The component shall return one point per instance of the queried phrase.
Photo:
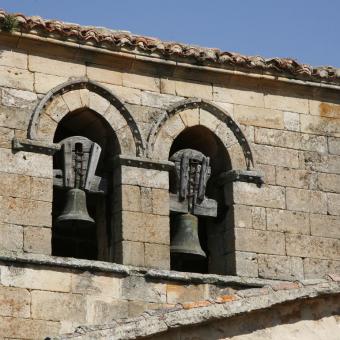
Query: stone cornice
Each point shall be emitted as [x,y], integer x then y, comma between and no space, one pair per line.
[125,42]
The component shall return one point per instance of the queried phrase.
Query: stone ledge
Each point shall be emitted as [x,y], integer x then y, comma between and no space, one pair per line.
[149,274]
[184,315]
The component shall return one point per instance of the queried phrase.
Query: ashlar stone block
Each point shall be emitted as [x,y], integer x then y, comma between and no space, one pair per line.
[280,267]
[16,78]
[14,302]
[32,278]
[71,307]
[267,196]
[306,200]
[325,225]
[261,117]
[288,221]
[313,247]
[259,241]
[37,240]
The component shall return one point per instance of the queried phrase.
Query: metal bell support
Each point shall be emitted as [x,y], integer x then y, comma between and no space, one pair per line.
[185,236]
[80,160]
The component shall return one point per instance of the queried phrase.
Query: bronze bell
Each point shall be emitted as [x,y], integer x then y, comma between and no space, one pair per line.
[185,236]
[75,210]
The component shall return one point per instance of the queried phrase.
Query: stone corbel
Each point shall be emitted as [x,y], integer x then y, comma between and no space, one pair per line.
[35,146]
[250,176]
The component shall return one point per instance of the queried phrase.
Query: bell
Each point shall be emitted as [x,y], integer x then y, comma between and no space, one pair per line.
[185,236]
[75,210]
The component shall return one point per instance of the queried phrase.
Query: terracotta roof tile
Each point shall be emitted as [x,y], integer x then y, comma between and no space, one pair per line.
[121,40]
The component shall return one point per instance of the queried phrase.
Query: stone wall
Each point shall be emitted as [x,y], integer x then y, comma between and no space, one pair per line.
[289,228]
[44,296]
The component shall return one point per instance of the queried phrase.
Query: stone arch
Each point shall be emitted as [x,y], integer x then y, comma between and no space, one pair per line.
[191,112]
[85,94]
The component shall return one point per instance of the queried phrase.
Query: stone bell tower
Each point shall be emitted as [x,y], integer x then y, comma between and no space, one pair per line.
[153,189]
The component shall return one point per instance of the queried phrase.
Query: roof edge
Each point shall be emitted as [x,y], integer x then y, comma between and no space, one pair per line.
[123,41]
[183,315]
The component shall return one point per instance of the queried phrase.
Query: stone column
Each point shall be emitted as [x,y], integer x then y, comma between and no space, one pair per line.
[141,234]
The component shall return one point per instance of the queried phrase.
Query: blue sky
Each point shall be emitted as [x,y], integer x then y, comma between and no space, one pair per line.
[306,30]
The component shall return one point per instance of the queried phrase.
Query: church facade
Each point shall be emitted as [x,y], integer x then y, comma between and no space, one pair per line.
[151,189]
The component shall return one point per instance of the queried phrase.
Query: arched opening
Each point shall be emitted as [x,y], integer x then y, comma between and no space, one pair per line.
[211,210]
[77,240]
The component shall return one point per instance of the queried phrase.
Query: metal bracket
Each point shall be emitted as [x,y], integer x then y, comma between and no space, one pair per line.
[35,146]
[250,176]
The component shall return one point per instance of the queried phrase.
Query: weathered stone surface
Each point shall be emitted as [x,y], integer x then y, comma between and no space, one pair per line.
[194,89]
[142,82]
[190,117]
[144,227]
[316,268]
[334,145]
[98,103]
[131,253]
[329,182]
[13,185]
[160,202]
[294,178]
[333,204]
[26,163]
[255,116]
[73,100]
[18,98]
[96,284]
[27,212]
[280,267]
[180,294]
[101,311]
[58,67]
[41,189]
[14,302]
[32,278]
[320,125]
[16,78]
[157,100]
[11,237]
[57,109]
[37,240]
[244,263]
[312,246]
[46,82]
[71,307]
[157,256]
[266,196]
[259,241]
[104,74]
[114,118]
[324,109]
[277,156]
[291,121]
[268,172]
[325,225]
[145,177]
[286,103]
[138,289]
[288,221]
[6,136]
[22,328]
[306,200]
[13,58]
[238,96]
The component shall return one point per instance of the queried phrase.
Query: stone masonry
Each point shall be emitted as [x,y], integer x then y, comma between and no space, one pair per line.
[277,137]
